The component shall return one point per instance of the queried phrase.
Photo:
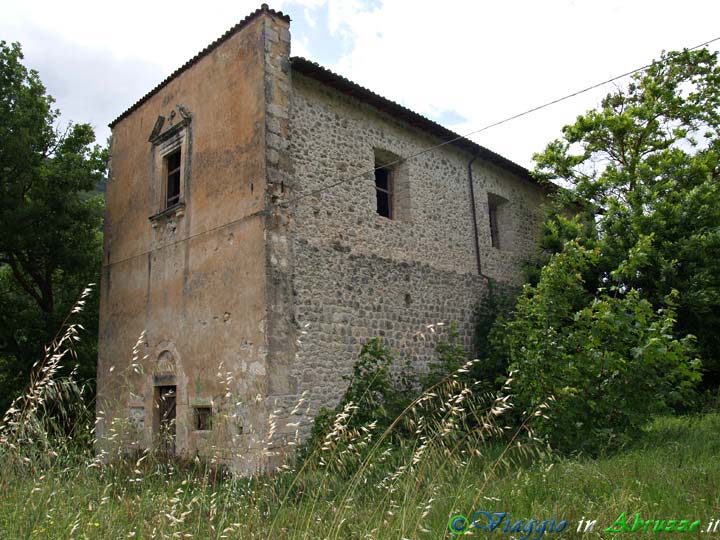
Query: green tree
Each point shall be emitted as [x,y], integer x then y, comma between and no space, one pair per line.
[50,246]
[630,292]
[645,171]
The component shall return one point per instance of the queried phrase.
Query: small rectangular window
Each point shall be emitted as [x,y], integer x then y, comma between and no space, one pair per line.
[383,191]
[203,418]
[494,232]
[173,178]
[392,186]
[501,226]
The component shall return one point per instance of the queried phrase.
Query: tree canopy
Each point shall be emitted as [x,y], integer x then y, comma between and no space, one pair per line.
[51,241]
[645,167]
[630,294]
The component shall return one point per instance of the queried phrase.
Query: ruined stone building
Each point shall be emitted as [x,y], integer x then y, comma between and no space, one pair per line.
[250,248]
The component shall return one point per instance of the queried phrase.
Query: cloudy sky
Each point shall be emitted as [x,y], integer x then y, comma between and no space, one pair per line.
[462,63]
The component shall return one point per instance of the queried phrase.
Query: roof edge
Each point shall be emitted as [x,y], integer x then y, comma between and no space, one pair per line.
[204,52]
[329,78]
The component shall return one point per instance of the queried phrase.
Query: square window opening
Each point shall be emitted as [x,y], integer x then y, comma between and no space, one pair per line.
[203,418]
[172,166]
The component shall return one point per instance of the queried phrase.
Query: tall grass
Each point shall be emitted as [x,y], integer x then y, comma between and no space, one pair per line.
[52,415]
[358,483]
[672,471]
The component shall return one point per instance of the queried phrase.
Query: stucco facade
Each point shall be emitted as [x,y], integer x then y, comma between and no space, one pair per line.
[247,295]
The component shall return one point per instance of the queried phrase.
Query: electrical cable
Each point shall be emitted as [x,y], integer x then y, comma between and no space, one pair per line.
[301,196]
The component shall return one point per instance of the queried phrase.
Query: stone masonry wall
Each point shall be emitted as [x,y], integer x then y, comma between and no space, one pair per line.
[248,304]
[350,298]
[357,274]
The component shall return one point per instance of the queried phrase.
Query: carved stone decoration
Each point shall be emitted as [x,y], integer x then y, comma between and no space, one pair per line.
[158,135]
[157,128]
[166,363]
[184,113]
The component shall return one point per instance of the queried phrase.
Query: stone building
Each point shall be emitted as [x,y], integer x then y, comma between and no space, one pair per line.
[266,217]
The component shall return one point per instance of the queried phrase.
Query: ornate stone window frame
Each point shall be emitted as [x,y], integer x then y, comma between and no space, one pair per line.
[166,141]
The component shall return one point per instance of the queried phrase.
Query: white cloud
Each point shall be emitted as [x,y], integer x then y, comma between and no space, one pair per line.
[310,18]
[479,61]
[167,33]
[299,47]
[490,60]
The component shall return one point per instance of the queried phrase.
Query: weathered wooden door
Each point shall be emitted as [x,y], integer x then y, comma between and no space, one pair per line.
[167,397]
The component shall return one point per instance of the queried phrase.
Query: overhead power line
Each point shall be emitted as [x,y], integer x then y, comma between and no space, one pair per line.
[301,196]
[489,126]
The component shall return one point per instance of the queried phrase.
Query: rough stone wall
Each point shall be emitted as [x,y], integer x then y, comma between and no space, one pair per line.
[359,275]
[519,220]
[193,279]
[350,298]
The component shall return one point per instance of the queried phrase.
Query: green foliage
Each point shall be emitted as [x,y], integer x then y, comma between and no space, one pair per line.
[671,470]
[51,244]
[450,356]
[609,360]
[376,398]
[52,488]
[632,275]
[641,172]
[52,415]
[494,308]
[371,387]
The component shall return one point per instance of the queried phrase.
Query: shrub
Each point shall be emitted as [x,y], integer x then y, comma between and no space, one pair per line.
[494,308]
[451,356]
[375,397]
[609,360]
[372,395]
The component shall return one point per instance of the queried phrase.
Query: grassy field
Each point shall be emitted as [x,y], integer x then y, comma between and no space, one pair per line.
[671,471]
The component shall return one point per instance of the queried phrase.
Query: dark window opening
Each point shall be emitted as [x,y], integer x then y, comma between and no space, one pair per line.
[173,179]
[383,191]
[494,233]
[203,418]
[165,399]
